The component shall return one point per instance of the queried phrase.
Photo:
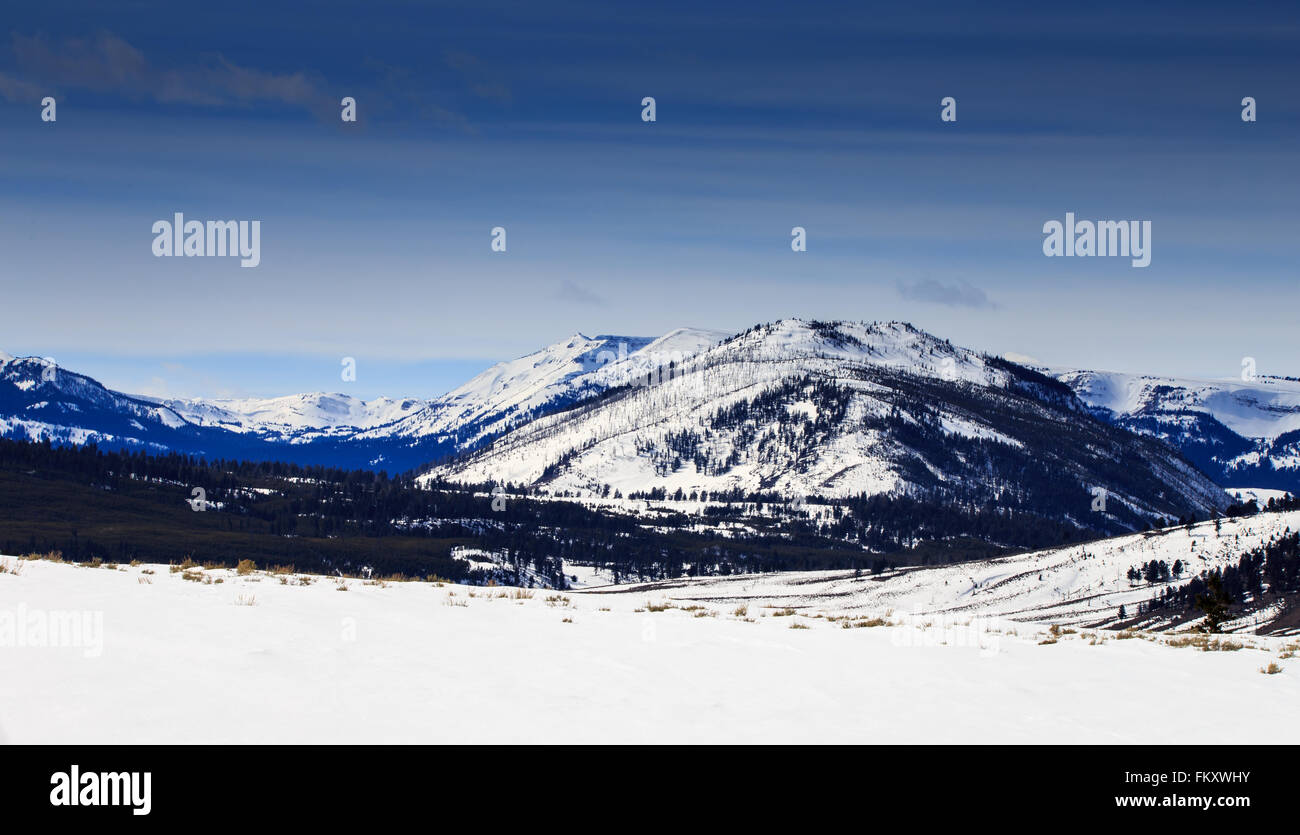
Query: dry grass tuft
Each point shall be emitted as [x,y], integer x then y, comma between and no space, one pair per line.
[1205,643]
[863,623]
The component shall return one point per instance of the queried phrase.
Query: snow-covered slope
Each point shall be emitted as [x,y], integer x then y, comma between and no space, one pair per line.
[1244,434]
[1263,408]
[157,658]
[841,409]
[1079,585]
[511,393]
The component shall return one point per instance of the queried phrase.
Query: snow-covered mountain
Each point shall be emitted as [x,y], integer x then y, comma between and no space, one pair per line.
[40,400]
[512,393]
[1244,434]
[802,408]
[296,418]
[793,408]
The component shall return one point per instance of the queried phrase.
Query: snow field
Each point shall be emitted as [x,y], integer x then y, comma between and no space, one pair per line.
[255,659]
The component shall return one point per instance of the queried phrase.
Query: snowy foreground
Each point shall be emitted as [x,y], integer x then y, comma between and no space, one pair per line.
[134,654]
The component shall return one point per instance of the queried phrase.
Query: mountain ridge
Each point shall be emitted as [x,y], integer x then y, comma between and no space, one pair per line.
[40,400]
[836,409]
[1243,434]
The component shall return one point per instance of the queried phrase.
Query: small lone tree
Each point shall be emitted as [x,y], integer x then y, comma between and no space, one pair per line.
[1214,603]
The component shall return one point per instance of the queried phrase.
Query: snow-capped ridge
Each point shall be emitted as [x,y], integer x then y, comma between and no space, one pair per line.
[837,409]
[1244,433]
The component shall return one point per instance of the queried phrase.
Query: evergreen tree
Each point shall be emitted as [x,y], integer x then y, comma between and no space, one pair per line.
[1214,603]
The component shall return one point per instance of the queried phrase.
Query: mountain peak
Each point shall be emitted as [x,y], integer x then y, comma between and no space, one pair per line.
[840,409]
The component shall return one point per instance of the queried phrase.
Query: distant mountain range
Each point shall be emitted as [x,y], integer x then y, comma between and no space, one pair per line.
[793,407]
[1241,434]
[39,400]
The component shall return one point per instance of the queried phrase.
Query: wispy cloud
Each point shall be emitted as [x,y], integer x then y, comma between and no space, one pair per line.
[959,294]
[106,63]
[571,292]
[17,90]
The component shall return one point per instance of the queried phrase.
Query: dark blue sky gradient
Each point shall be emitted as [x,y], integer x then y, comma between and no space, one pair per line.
[375,235]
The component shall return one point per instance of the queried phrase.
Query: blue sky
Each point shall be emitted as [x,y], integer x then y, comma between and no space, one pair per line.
[375,236]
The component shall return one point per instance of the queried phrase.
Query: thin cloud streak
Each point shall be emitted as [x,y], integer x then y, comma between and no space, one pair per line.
[959,294]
